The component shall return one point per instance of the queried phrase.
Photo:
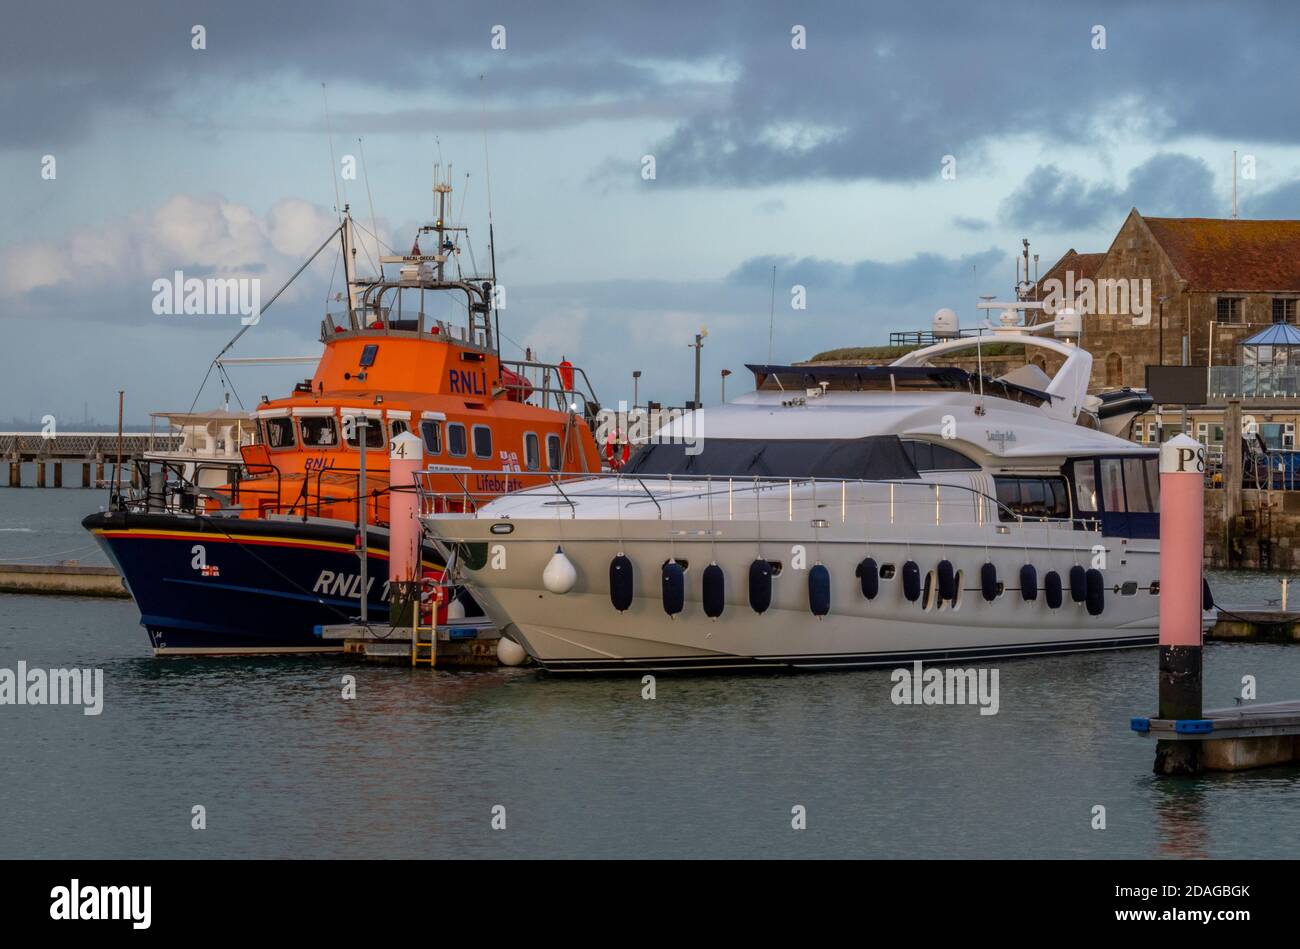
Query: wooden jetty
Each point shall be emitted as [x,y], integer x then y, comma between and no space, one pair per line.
[1247,624]
[1237,738]
[50,452]
[67,578]
[459,644]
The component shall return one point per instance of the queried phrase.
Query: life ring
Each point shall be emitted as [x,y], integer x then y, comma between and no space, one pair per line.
[617,450]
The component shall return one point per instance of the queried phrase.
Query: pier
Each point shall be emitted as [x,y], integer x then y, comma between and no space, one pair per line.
[94,451]
[1189,740]
[1234,739]
[460,644]
[69,578]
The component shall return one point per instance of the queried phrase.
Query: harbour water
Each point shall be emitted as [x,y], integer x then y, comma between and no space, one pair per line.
[414,765]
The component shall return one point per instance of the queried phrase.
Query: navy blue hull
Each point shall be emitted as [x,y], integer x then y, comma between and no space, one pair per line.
[225,586]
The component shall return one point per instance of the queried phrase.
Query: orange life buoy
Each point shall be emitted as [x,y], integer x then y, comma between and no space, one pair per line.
[617,450]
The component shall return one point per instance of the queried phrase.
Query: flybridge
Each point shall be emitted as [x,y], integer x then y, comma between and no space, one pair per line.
[890,378]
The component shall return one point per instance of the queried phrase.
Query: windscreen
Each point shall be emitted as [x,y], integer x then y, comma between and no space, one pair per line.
[874,457]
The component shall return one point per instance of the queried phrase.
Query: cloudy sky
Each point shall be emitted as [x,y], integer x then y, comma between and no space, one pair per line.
[827,162]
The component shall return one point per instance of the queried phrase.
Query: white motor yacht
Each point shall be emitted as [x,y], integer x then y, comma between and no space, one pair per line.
[842,516]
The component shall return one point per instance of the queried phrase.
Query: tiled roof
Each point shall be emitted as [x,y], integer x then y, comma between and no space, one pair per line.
[1223,255]
[1084,267]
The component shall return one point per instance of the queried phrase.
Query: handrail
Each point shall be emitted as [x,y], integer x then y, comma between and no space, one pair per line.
[430,498]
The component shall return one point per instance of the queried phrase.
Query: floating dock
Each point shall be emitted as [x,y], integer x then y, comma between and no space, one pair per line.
[1237,738]
[58,579]
[461,644]
[1243,624]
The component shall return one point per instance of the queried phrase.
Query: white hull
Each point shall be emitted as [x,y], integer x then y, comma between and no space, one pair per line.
[581,630]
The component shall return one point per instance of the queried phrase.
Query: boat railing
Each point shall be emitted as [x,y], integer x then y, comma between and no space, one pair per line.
[761,497]
[546,380]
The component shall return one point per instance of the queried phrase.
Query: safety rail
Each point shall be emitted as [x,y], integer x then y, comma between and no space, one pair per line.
[552,396]
[732,495]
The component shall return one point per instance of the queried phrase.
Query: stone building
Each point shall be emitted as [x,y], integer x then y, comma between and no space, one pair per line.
[1203,285]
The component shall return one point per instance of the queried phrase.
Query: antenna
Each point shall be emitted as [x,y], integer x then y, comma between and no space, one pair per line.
[487,174]
[329,134]
[771,317]
[1234,183]
[374,224]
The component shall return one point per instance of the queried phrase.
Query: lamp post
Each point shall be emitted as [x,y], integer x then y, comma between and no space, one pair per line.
[698,345]
[636,379]
[725,373]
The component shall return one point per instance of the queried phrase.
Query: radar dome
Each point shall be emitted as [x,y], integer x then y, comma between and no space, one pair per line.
[945,323]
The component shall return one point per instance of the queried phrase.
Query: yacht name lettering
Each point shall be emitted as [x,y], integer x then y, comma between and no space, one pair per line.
[1001,438]
[466,382]
[345,585]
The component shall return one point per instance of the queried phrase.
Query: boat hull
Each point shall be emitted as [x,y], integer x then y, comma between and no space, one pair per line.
[580,631]
[227,586]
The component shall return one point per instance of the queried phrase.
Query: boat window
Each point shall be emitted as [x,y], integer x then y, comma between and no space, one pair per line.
[1112,486]
[319,431]
[456,443]
[927,456]
[1085,486]
[279,433]
[396,426]
[874,457]
[554,461]
[1152,466]
[432,432]
[482,441]
[1032,498]
[532,451]
[352,432]
[1135,486]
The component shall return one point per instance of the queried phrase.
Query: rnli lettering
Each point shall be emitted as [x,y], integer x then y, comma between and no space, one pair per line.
[346,586]
[466,382]
[318,463]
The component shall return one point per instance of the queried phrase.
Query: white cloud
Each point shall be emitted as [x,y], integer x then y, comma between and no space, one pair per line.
[187,232]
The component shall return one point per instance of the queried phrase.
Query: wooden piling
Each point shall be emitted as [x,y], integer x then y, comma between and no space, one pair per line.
[15,474]
[58,474]
[40,474]
[85,474]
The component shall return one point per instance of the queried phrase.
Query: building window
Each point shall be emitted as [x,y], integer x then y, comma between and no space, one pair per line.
[1114,370]
[1228,309]
[1284,309]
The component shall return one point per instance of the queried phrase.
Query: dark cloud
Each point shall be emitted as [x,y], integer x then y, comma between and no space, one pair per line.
[881,92]
[1167,184]
[1281,202]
